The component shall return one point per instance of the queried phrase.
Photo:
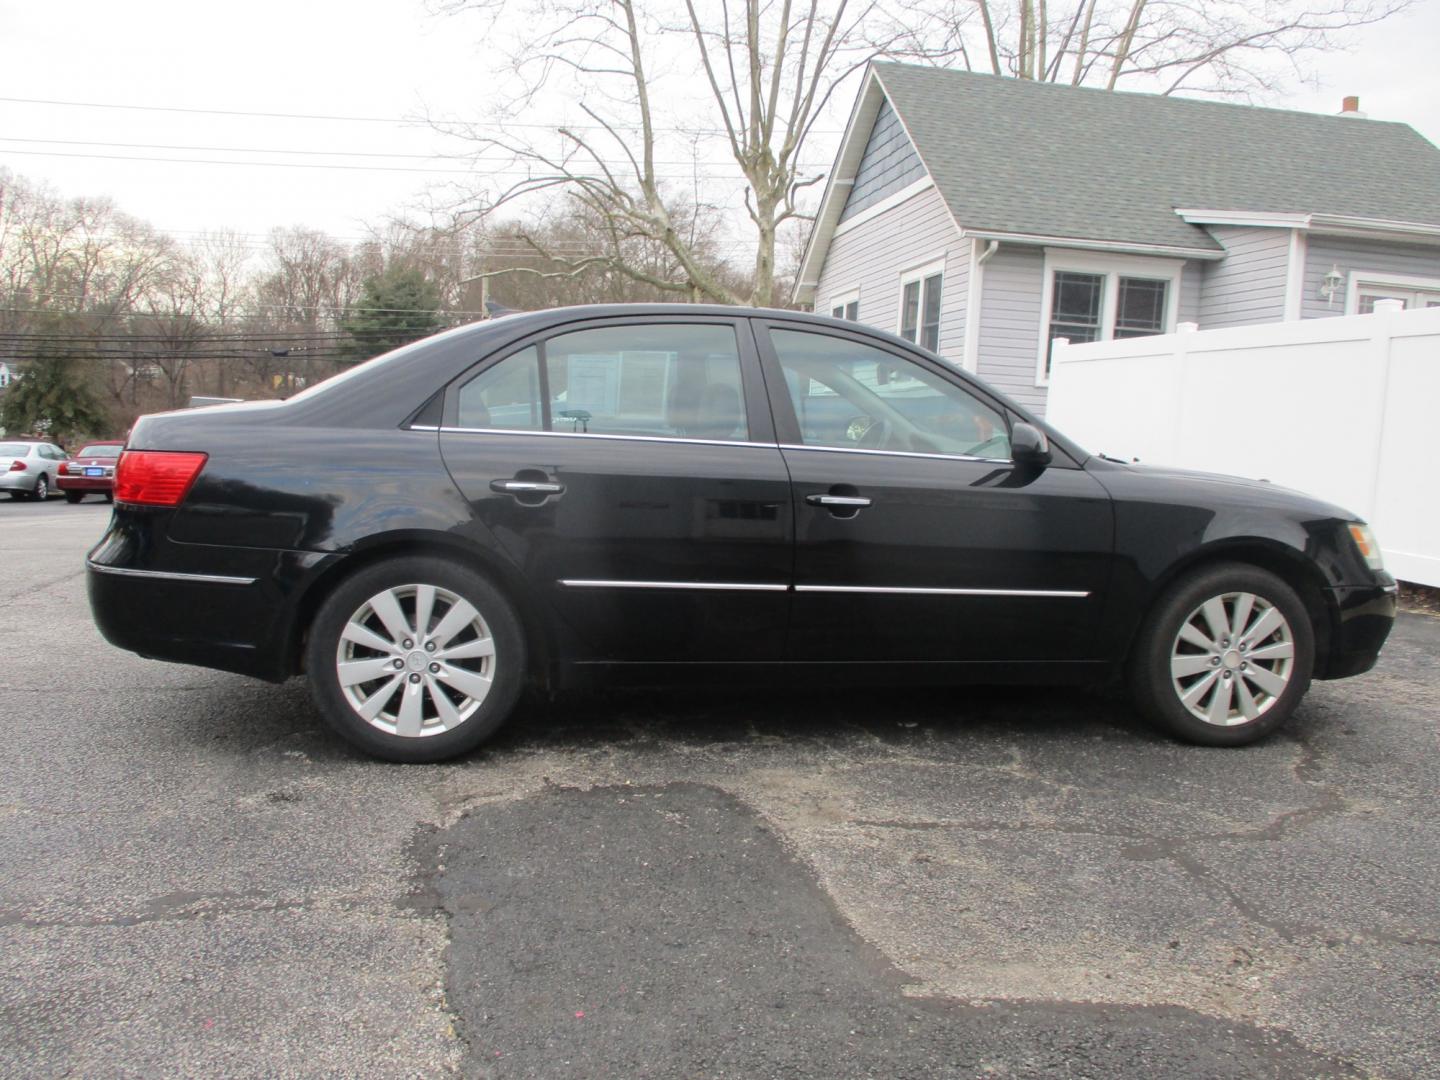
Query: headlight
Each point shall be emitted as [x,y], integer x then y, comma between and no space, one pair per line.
[1367,544]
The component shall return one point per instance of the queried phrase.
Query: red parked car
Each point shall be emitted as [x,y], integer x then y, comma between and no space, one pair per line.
[90,471]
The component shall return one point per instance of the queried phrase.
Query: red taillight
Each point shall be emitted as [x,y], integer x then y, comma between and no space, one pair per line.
[156,477]
[17,466]
[64,469]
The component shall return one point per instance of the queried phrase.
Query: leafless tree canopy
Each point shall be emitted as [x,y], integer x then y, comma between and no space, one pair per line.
[671,105]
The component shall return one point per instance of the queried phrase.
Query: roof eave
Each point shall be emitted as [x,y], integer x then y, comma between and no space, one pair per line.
[1174,251]
[1331,224]
[837,186]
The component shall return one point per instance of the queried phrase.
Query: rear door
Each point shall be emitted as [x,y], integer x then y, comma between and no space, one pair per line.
[630,469]
[917,539]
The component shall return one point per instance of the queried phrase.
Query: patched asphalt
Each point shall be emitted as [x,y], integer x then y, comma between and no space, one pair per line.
[197,879]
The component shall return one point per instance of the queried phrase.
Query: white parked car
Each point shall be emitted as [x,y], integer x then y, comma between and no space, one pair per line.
[28,468]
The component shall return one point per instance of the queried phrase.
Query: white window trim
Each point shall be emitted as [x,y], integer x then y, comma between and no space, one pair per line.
[920,273]
[840,299]
[1111,267]
[1372,279]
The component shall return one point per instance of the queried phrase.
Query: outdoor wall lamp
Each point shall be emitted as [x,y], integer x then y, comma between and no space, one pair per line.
[1330,284]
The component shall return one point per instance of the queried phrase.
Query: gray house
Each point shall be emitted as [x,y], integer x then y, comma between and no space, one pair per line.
[982,216]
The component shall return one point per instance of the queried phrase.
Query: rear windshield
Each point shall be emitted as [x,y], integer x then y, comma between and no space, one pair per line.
[15,449]
[103,450]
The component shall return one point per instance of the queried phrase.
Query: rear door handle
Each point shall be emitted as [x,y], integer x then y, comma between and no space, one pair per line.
[852,501]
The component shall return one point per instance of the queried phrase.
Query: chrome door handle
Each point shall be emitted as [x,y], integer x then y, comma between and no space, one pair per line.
[526,487]
[855,501]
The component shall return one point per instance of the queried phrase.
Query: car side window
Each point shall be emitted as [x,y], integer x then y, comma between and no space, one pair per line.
[505,395]
[854,396]
[675,381]
[670,381]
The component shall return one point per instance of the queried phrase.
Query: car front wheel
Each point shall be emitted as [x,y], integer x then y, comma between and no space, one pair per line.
[42,489]
[1225,656]
[416,659]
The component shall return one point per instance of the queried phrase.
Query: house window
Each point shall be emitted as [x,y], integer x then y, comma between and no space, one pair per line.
[920,291]
[1140,309]
[1413,292]
[846,306]
[1103,297]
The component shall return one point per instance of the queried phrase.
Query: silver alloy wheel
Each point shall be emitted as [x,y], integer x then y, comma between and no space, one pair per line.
[415,660]
[42,488]
[1232,659]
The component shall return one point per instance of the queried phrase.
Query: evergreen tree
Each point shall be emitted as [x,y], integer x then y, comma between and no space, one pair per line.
[54,397]
[396,307]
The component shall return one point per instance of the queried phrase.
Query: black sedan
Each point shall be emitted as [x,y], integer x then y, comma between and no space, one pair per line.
[667,492]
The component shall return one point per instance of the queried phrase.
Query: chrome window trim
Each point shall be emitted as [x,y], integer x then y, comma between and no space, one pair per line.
[169,575]
[896,453]
[1064,594]
[424,427]
[717,586]
[597,435]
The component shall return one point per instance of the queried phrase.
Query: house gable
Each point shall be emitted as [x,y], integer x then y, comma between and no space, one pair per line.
[890,164]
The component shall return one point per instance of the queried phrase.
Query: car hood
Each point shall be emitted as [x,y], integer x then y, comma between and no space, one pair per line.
[1207,487]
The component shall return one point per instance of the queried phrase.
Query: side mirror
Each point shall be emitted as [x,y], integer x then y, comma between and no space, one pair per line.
[1029,446]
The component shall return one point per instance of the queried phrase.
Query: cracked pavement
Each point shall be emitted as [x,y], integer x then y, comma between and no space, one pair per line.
[196,878]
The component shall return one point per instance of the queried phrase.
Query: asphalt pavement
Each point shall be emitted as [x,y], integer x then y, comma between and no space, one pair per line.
[197,879]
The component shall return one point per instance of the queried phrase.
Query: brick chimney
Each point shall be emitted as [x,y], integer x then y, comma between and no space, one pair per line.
[1350,106]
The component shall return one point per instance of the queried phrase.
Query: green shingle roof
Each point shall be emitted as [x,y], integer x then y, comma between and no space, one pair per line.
[1015,156]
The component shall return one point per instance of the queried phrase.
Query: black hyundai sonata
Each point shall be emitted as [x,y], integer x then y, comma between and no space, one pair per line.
[666,492]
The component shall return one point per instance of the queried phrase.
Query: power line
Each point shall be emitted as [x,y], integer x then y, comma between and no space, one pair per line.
[364,119]
[614,162]
[521,173]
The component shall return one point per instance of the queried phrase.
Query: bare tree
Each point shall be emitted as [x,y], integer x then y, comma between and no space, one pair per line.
[1230,48]
[766,73]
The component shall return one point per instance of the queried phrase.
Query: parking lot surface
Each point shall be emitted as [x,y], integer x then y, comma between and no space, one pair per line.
[197,878]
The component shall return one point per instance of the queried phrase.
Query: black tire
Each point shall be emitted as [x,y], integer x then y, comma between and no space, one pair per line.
[41,491]
[508,666]
[1158,693]
[73,497]
[109,496]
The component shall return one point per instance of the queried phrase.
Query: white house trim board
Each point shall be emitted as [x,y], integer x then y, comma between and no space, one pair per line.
[1374,279]
[1264,219]
[1295,276]
[890,202]
[1112,267]
[975,292]
[1117,246]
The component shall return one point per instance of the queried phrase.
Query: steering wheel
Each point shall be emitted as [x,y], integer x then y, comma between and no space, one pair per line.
[875,436]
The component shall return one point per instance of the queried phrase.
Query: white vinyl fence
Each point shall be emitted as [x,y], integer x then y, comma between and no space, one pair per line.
[1345,408]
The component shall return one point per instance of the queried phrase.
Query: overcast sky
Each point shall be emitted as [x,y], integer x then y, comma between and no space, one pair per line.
[382,59]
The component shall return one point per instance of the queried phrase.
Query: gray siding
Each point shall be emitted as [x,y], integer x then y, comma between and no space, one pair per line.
[1373,256]
[1187,309]
[872,256]
[1248,285]
[1012,282]
[888,164]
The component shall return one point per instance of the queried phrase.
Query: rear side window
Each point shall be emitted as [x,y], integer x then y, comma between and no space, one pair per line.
[678,381]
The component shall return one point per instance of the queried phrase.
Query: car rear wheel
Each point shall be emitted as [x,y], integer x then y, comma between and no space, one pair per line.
[1225,656]
[416,659]
[73,497]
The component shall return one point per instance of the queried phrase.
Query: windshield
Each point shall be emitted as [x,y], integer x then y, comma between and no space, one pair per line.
[100,450]
[15,449]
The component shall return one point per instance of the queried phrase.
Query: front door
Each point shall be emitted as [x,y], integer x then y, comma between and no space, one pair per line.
[630,471]
[917,539]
